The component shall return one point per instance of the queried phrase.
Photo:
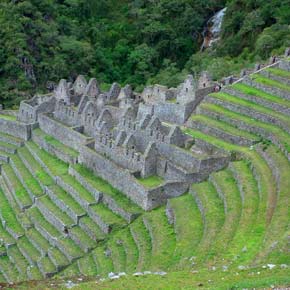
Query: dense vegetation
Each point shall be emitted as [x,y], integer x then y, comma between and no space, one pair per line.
[135,42]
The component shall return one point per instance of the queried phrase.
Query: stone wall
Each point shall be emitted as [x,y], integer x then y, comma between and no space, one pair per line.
[67,135]
[15,128]
[119,178]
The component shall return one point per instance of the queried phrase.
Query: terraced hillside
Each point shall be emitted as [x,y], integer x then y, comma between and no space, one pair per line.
[235,222]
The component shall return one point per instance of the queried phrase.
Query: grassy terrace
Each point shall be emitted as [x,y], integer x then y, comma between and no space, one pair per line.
[8,215]
[47,202]
[279,72]
[103,186]
[269,82]
[84,194]
[212,210]
[28,178]
[104,264]
[67,199]
[18,259]
[88,223]
[25,245]
[20,192]
[151,181]
[118,254]
[163,254]
[143,243]
[107,216]
[279,133]
[38,171]
[87,266]
[33,235]
[85,240]
[6,238]
[58,258]
[223,126]
[7,145]
[9,269]
[188,226]
[56,166]
[8,117]
[47,265]
[54,142]
[260,94]
[251,105]
[36,216]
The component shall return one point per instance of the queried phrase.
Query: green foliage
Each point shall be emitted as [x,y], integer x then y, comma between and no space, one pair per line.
[137,42]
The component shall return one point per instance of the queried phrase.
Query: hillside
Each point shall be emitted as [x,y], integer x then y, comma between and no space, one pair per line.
[60,220]
[137,42]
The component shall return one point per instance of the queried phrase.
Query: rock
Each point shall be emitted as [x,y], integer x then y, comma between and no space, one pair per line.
[108,253]
[225,268]
[244,249]
[160,273]
[194,272]
[147,272]
[122,274]
[283,266]
[138,274]
[69,284]
[241,267]
[271,266]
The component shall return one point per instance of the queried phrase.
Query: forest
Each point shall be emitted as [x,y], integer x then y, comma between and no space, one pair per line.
[138,42]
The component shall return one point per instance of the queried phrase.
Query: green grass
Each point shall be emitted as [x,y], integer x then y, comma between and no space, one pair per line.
[188,227]
[143,242]
[103,186]
[63,217]
[33,235]
[20,192]
[67,199]
[55,165]
[269,82]
[83,193]
[163,254]
[39,172]
[9,269]
[279,133]
[14,253]
[279,72]
[260,94]
[28,178]
[212,210]
[36,216]
[118,254]
[87,266]
[151,181]
[5,237]
[223,127]
[104,264]
[88,223]
[47,265]
[8,145]
[58,258]
[9,215]
[251,105]
[107,216]
[70,247]
[28,248]
[8,117]
[56,143]
[85,240]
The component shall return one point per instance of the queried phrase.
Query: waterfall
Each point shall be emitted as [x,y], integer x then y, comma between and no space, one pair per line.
[212,29]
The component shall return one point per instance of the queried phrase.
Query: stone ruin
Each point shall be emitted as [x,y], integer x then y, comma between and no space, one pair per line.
[125,137]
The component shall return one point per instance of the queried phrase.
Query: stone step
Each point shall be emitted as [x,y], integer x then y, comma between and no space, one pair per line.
[9,271]
[18,259]
[276,76]
[6,138]
[46,267]
[8,148]
[58,259]
[282,93]
[105,219]
[27,249]
[81,239]
[259,97]
[38,241]
[60,220]
[14,185]
[267,131]
[27,180]
[249,109]
[65,203]
[54,146]
[91,229]
[222,131]
[99,188]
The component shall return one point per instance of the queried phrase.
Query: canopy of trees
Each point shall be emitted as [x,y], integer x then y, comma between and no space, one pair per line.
[137,41]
